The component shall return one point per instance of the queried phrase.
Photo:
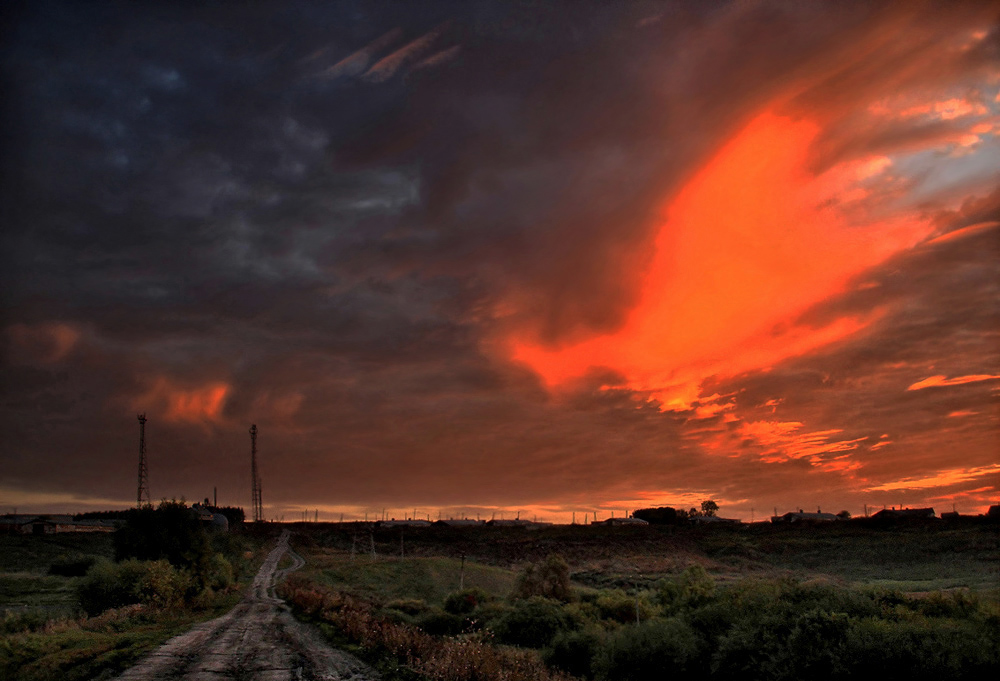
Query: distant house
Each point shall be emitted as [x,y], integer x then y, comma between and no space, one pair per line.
[403,523]
[714,520]
[213,520]
[16,524]
[803,517]
[618,522]
[517,522]
[51,524]
[459,522]
[904,514]
[994,512]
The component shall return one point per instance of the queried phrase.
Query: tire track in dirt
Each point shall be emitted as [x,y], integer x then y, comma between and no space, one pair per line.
[258,639]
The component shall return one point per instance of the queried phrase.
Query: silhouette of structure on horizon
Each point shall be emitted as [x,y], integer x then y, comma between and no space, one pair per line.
[142,494]
[255,500]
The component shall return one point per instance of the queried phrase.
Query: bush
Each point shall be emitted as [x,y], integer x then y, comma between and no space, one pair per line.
[618,606]
[921,649]
[574,651]
[220,573]
[784,643]
[548,578]
[660,648]
[170,532]
[113,585]
[465,601]
[408,606]
[692,589]
[533,623]
[440,623]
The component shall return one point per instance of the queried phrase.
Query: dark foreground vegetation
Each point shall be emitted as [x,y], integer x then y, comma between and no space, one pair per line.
[88,606]
[647,603]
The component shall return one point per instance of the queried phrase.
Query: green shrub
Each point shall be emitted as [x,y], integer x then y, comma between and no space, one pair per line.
[783,643]
[548,578]
[437,622]
[533,623]
[959,604]
[620,607]
[465,601]
[658,649]
[113,585]
[220,573]
[691,589]
[921,649]
[408,606]
[574,651]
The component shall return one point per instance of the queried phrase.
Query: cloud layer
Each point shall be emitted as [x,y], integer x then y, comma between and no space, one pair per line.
[474,256]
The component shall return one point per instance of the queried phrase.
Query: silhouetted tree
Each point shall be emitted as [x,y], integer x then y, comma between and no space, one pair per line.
[663,515]
[709,508]
[171,531]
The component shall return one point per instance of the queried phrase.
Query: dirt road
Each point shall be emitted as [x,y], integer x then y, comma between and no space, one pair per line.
[258,639]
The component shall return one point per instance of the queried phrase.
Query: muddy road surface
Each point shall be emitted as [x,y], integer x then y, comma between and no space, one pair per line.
[258,639]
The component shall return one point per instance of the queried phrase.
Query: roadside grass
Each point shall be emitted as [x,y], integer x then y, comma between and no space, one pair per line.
[99,647]
[44,636]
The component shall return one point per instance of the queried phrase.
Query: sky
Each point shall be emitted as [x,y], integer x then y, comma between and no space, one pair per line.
[479,257]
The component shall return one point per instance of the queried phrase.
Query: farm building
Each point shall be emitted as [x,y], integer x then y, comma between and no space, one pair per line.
[213,521]
[517,522]
[713,520]
[51,524]
[905,514]
[803,517]
[459,522]
[403,523]
[618,522]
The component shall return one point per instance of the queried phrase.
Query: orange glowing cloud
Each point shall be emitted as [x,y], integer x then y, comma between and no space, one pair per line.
[785,442]
[750,242]
[43,343]
[941,381]
[202,403]
[945,478]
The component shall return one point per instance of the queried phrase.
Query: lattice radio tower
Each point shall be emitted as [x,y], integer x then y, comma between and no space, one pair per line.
[255,501]
[142,494]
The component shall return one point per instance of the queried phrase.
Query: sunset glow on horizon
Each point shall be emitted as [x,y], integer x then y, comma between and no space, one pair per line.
[473,258]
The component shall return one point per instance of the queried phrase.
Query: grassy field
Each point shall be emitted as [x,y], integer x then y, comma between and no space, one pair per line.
[27,589]
[912,559]
[738,602]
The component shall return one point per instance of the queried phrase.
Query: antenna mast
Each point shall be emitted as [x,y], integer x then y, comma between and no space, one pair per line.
[255,501]
[142,494]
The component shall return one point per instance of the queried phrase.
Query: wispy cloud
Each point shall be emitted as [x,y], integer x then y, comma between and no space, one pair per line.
[386,67]
[943,381]
[941,479]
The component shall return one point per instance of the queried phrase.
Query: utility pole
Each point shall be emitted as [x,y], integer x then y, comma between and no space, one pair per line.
[255,500]
[142,494]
